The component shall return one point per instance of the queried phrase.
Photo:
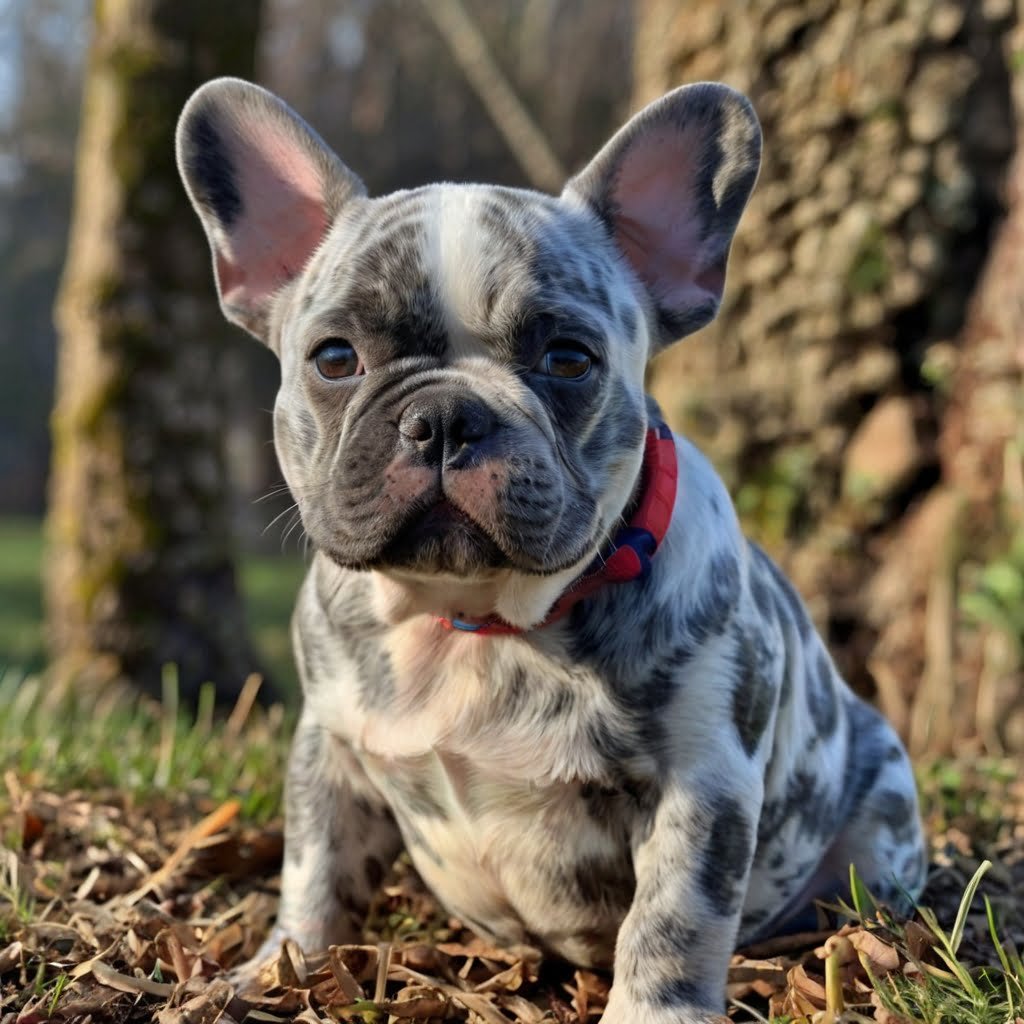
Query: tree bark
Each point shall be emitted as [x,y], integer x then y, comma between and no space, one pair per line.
[140,573]
[824,390]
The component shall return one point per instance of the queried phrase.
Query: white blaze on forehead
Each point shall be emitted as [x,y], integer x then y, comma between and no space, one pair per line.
[461,249]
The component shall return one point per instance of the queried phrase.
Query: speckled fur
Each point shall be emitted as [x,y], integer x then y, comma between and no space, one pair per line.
[675,767]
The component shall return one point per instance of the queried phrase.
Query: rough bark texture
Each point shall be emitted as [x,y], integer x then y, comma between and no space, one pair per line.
[976,668]
[824,388]
[140,572]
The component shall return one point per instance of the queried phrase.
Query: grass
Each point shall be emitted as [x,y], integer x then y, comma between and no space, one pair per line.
[269,584]
[936,983]
[21,602]
[955,963]
[116,740]
[958,961]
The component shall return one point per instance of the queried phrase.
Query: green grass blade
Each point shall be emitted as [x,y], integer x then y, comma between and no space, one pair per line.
[861,896]
[1000,952]
[957,935]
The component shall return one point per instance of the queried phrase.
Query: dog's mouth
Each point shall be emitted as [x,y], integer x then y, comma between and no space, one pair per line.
[443,538]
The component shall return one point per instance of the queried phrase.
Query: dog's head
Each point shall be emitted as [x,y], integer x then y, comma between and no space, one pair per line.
[462,365]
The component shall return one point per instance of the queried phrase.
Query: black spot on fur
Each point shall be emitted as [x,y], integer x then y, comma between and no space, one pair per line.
[628,319]
[416,840]
[821,695]
[810,801]
[662,937]
[516,691]
[663,679]
[678,992]
[376,682]
[896,811]
[210,170]
[605,882]
[864,750]
[613,747]
[753,697]
[343,890]
[784,589]
[727,858]
[711,612]
[622,428]
[630,805]
[762,594]
[559,703]
[416,797]
[788,655]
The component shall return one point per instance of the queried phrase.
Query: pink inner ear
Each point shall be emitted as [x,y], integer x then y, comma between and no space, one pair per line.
[283,219]
[658,223]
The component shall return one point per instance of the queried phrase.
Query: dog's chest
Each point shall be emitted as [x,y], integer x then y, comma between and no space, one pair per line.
[519,861]
[528,717]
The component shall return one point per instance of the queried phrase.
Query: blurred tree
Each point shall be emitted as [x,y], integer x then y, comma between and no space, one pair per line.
[140,572]
[378,80]
[40,90]
[976,662]
[840,390]
[471,52]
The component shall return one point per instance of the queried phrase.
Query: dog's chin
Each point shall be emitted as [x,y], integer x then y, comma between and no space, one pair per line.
[443,540]
[447,541]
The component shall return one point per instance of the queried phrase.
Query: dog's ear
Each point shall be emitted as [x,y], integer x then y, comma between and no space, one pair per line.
[670,186]
[266,187]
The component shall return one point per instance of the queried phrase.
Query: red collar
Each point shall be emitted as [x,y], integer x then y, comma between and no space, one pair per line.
[628,556]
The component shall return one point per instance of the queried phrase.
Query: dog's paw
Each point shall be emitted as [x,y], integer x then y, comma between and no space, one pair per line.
[260,972]
[648,1016]
[623,1011]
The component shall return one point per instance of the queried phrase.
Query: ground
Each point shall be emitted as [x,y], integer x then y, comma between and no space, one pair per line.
[140,856]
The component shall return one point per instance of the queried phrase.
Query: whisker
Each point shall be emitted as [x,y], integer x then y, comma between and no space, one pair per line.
[274,492]
[296,521]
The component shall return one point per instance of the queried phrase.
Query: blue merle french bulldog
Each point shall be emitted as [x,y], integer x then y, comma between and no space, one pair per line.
[535,648]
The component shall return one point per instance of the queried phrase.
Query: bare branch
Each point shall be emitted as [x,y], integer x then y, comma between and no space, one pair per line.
[510,117]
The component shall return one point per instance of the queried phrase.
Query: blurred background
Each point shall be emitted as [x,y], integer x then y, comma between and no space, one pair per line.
[861,392]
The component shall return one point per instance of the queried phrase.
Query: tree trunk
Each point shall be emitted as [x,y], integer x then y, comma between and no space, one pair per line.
[140,572]
[981,444]
[822,391]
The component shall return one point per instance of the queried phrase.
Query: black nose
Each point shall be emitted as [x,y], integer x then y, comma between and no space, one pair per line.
[443,426]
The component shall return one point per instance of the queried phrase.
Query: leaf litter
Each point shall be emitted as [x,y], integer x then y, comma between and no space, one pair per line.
[113,910]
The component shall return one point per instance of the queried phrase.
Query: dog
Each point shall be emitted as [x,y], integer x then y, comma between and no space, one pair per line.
[535,648]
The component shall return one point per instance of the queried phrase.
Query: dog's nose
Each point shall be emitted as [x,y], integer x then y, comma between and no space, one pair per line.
[445,425]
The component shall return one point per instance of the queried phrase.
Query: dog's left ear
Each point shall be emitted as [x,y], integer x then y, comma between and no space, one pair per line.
[670,186]
[266,187]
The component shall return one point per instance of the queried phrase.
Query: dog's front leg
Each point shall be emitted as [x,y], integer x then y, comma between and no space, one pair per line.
[691,869]
[340,838]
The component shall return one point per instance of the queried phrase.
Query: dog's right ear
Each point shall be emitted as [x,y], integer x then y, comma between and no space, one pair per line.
[266,187]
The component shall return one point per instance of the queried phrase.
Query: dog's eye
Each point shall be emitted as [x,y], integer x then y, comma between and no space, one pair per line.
[566,360]
[336,358]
